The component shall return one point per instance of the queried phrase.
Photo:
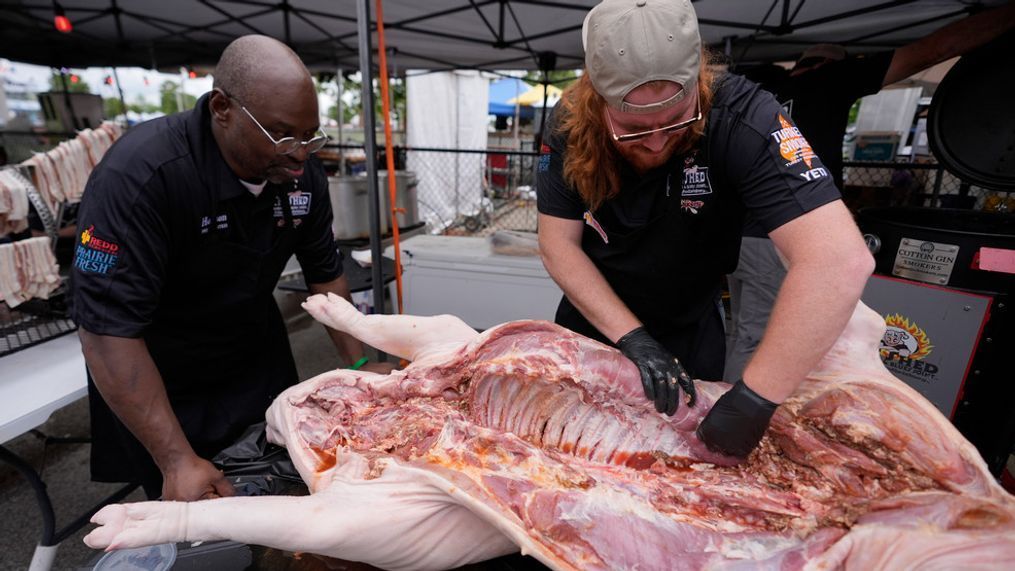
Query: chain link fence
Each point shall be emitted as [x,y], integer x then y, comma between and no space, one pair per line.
[473,193]
[462,192]
[917,184]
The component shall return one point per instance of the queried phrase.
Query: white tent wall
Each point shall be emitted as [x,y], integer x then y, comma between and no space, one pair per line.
[447,110]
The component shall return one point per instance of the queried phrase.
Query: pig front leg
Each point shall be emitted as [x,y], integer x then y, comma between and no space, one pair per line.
[407,336]
[391,522]
[280,522]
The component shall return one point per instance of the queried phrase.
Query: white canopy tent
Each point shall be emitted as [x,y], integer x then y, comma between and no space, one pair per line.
[447,110]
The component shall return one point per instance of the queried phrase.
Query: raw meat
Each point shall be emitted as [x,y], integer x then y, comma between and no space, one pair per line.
[531,437]
[28,269]
[13,202]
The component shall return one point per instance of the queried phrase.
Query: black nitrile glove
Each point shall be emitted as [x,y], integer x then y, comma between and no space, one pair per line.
[662,375]
[737,422]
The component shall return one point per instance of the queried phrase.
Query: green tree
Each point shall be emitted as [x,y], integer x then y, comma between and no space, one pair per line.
[353,88]
[141,105]
[56,84]
[112,107]
[168,92]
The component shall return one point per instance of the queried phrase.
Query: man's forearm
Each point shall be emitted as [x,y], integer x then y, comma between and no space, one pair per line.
[953,40]
[588,290]
[349,348]
[812,309]
[131,385]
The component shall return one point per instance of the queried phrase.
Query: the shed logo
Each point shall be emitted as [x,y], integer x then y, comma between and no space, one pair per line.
[696,182]
[299,204]
[905,347]
[904,338]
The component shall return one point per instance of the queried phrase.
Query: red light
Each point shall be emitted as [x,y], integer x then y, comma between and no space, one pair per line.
[60,20]
[109,80]
[62,24]
[74,78]
[192,75]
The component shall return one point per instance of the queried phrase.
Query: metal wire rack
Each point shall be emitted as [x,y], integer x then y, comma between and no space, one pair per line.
[33,322]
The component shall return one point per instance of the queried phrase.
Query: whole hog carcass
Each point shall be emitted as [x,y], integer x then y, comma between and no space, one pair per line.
[531,437]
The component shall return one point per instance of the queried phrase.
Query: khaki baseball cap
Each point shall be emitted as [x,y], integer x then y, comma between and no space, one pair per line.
[631,42]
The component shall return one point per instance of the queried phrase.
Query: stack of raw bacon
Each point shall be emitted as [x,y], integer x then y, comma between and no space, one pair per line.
[28,270]
[61,173]
[13,202]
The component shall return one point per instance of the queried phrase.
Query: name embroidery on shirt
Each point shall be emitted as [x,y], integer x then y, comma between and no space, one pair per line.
[95,255]
[221,222]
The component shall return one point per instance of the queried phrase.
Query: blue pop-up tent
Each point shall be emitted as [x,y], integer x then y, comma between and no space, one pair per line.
[502,91]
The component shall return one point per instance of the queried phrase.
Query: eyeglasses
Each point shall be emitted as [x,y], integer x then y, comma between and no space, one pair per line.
[286,145]
[668,130]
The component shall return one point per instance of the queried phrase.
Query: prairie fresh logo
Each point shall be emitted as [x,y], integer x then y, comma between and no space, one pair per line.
[905,348]
[544,157]
[94,254]
[793,147]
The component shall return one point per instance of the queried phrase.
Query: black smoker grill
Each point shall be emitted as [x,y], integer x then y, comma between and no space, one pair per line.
[971,126]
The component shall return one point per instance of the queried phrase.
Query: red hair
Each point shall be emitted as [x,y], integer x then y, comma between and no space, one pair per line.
[590,163]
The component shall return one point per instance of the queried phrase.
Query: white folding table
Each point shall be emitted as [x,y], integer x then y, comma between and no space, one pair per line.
[34,383]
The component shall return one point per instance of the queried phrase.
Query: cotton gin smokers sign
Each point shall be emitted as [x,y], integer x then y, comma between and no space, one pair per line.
[929,262]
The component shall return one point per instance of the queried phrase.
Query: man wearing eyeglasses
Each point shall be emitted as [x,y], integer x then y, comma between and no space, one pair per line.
[650,162]
[187,224]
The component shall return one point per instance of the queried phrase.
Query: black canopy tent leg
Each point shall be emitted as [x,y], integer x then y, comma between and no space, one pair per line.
[45,551]
[547,63]
[370,144]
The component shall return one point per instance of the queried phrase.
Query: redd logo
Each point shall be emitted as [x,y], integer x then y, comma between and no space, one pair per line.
[691,205]
[88,238]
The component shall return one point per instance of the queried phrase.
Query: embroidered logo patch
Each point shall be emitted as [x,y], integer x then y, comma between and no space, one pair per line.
[544,158]
[299,205]
[94,254]
[692,206]
[793,147]
[696,182]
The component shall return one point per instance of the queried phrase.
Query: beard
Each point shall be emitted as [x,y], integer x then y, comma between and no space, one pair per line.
[642,159]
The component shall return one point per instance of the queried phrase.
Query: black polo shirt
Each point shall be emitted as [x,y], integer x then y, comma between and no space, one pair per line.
[158,195]
[175,250]
[751,158]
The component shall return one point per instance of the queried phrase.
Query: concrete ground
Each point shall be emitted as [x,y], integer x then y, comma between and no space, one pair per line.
[65,471]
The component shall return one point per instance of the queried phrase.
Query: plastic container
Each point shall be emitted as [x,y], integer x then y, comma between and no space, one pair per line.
[152,558]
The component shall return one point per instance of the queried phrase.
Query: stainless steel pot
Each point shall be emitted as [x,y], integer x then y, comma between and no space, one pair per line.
[352,209]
